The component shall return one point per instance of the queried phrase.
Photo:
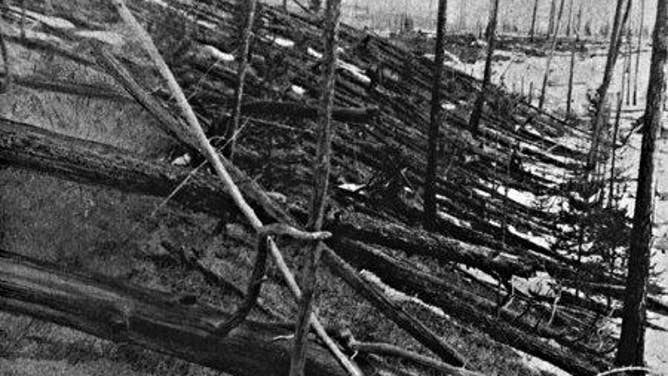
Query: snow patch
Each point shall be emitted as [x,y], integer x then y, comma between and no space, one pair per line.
[283,42]
[182,161]
[355,71]
[351,187]
[449,106]
[298,90]
[544,241]
[206,25]
[159,2]
[314,53]
[218,54]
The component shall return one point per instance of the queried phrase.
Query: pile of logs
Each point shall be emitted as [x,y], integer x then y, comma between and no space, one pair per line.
[382,94]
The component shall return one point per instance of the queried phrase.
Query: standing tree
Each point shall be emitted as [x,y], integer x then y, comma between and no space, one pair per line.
[532,30]
[632,339]
[546,75]
[628,62]
[462,16]
[570,18]
[247,8]
[613,52]
[429,220]
[569,95]
[635,78]
[474,122]
[550,21]
[321,169]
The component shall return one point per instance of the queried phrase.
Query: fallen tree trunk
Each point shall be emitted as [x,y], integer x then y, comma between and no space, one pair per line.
[89,162]
[34,148]
[440,294]
[414,241]
[112,310]
[303,111]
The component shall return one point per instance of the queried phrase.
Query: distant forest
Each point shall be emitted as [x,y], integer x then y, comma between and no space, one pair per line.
[471,15]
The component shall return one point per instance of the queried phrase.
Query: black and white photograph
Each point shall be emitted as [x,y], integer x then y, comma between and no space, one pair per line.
[333,188]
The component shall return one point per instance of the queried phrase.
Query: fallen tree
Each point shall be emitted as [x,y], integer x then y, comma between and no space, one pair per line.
[503,326]
[110,309]
[34,148]
[88,162]
[302,111]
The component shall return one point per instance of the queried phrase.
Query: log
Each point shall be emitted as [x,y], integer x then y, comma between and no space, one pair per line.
[434,291]
[421,242]
[110,309]
[30,147]
[303,111]
[88,162]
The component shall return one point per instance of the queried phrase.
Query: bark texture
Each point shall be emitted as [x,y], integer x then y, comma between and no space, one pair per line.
[490,33]
[321,170]
[632,340]
[110,309]
[430,206]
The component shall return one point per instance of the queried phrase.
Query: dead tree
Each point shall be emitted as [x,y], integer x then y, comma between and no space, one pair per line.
[321,169]
[532,29]
[474,122]
[550,23]
[462,16]
[569,25]
[613,52]
[116,311]
[571,71]
[546,75]
[632,340]
[435,118]
[249,8]
[627,65]
[637,71]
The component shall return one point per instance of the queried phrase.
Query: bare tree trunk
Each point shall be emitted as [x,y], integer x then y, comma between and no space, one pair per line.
[321,169]
[632,340]
[615,42]
[532,30]
[627,68]
[231,133]
[571,71]
[613,157]
[550,24]
[435,118]
[462,15]
[474,122]
[635,79]
[546,75]
[120,312]
[569,25]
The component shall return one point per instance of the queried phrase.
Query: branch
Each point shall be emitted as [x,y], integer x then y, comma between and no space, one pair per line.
[321,171]
[230,132]
[387,349]
[111,309]
[212,156]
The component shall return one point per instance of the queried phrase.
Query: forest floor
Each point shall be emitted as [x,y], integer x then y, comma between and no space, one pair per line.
[120,235]
[116,234]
